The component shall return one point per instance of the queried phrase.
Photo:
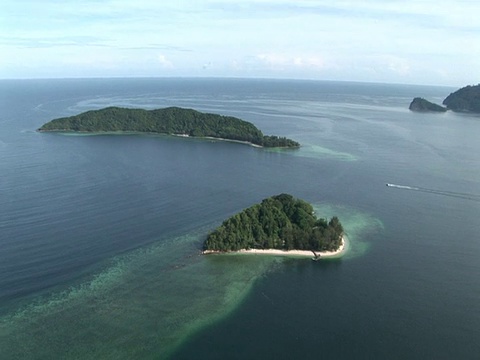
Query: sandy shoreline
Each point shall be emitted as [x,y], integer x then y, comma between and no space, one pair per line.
[230,140]
[121,132]
[294,253]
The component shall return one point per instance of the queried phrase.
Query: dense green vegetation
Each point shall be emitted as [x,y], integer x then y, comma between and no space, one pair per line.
[278,222]
[422,105]
[172,120]
[465,99]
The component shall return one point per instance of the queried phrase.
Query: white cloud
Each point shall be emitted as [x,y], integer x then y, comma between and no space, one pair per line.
[344,39]
[282,61]
[164,62]
[274,60]
[396,64]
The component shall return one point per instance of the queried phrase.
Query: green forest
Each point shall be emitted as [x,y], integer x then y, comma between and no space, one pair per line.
[172,120]
[278,222]
[465,99]
[422,105]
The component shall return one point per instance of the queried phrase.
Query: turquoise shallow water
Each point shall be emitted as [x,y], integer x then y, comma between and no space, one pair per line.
[145,303]
[358,226]
[100,235]
[140,306]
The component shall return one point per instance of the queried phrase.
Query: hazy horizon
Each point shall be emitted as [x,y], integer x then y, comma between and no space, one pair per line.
[414,42]
[229,78]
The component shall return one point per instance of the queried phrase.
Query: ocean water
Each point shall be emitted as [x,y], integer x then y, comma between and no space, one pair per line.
[100,236]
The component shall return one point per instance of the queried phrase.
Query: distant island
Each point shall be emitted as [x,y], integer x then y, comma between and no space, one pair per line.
[466,99]
[171,120]
[280,224]
[422,105]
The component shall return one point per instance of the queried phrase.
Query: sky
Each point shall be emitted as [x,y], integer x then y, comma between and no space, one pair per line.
[431,42]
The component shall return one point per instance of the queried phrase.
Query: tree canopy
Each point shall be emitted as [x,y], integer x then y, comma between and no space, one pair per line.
[172,120]
[465,99]
[422,105]
[278,222]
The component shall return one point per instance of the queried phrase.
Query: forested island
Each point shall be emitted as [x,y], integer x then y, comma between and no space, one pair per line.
[278,222]
[171,120]
[422,105]
[466,99]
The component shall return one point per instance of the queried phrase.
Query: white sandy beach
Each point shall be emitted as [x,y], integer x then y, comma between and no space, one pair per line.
[219,139]
[294,253]
[231,140]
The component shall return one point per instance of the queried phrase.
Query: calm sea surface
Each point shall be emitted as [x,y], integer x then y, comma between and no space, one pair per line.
[100,235]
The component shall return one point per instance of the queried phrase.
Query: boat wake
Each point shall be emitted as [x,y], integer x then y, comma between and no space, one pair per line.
[403,187]
[460,195]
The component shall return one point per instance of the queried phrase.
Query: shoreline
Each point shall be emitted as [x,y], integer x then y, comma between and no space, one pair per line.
[229,140]
[292,253]
[124,132]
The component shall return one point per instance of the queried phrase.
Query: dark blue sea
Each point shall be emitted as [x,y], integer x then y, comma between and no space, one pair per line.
[100,235]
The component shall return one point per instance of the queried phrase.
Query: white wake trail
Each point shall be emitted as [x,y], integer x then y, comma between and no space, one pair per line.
[460,195]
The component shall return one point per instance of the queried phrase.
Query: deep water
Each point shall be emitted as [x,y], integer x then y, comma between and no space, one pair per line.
[100,236]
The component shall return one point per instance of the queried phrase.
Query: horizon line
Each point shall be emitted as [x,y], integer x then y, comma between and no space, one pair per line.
[223,77]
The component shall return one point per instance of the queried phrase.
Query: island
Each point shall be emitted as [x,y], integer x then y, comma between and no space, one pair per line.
[171,120]
[466,99]
[281,225]
[422,105]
